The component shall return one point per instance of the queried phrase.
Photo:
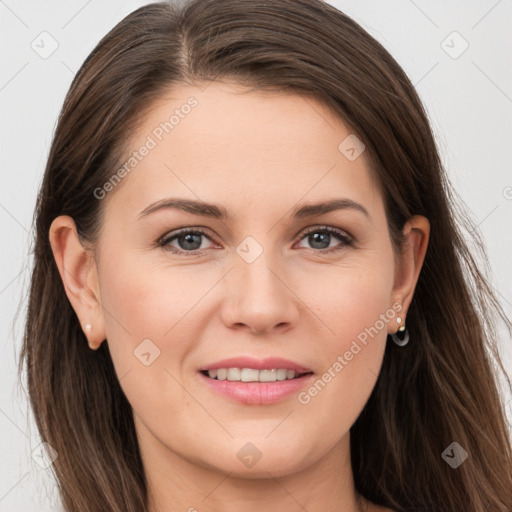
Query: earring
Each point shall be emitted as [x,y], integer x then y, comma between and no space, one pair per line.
[88,328]
[401,341]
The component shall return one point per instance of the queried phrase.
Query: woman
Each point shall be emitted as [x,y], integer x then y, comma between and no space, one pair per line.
[250,290]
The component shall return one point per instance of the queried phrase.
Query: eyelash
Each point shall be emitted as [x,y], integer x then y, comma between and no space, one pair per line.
[347,240]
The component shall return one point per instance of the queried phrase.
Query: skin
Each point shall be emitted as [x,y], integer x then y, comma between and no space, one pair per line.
[259,156]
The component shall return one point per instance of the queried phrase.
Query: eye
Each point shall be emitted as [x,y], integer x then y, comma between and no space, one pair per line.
[320,238]
[189,241]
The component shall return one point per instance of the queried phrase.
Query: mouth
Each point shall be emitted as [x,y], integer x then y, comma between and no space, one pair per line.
[254,375]
[251,381]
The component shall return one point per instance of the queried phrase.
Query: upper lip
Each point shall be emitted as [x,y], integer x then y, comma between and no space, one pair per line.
[258,364]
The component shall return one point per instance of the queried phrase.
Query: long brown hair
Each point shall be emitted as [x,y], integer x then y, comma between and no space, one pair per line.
[439,389]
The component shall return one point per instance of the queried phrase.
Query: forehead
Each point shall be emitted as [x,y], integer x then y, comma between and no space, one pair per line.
[223,144]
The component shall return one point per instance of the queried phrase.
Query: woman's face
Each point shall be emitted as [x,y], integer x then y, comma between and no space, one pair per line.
[266,283]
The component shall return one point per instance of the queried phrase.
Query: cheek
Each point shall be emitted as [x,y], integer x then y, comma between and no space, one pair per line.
[145,301]
[147,311]
[351,299]
[360,308]
[355,314]
[145,307]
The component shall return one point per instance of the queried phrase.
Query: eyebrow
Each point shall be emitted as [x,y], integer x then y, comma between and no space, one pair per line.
[219,212]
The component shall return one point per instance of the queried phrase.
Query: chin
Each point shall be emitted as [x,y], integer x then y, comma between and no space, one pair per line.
[252,462]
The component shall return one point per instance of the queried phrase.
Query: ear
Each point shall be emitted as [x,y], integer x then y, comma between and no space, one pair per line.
[79,275]
[408,263]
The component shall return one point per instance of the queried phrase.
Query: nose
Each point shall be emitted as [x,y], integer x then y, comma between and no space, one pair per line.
[259,299]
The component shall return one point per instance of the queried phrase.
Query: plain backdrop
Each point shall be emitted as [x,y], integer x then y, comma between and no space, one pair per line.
[457,54]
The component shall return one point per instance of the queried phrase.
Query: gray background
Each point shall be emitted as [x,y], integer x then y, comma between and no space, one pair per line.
[468,99]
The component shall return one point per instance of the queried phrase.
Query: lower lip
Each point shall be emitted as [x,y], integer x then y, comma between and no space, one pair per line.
[258,393]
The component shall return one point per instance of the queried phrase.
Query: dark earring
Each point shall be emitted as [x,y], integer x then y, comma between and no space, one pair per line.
[401,337]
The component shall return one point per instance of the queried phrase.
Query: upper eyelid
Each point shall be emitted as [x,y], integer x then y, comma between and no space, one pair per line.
[320,227]
[185,230]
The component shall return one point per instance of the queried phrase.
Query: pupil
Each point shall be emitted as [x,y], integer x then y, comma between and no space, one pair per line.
[189,240]
[316,236]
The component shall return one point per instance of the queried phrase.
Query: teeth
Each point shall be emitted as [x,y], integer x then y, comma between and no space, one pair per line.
[249,375]
[281,374]
[268,375]
[233,374]
[252,375]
